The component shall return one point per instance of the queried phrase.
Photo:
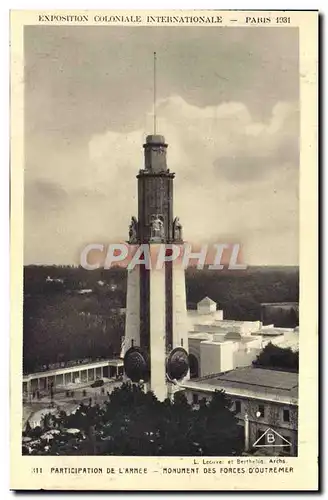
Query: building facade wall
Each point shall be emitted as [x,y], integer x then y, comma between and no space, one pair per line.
[206,308]
[215,357]
[194,348]
[274,417]
[245,356]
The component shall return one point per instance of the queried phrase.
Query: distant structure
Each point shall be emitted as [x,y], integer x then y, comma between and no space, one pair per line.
[287,312]
[206,306]
[216,344]
[54,280]
[156,328]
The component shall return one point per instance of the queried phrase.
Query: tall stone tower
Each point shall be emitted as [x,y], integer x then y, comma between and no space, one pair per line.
[156,333]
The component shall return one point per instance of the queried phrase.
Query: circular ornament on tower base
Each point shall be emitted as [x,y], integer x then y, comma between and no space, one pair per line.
[136,364]
[177,364]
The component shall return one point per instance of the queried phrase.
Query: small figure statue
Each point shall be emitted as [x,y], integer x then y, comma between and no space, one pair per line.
[133,230]
[177,230]
[157,228]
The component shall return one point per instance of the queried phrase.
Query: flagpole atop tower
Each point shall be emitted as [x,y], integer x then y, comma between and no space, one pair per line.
[154,93]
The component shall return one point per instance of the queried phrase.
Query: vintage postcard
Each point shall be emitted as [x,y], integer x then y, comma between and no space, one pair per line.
[164,176]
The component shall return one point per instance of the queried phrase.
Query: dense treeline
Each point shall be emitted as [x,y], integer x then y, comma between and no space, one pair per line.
[240,294]
[59,328]
[62,323]
[70,278]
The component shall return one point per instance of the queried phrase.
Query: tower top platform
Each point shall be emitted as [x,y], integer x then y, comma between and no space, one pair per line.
[155,139]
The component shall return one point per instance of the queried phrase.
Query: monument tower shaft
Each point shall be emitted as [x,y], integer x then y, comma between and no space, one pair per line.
[156,300]
[155,226]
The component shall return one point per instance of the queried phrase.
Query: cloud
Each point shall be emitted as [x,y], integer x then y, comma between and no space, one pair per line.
[41,193]
[236,180]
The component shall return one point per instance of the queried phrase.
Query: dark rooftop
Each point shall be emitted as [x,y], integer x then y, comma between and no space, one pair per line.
[254,379]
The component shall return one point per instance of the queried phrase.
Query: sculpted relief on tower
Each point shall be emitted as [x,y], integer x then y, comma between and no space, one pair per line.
[177,230]
[133,231]
[157,232]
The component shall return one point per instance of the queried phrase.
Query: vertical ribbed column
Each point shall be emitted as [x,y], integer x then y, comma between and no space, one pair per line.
[168,306]
[132,321]
[157,333]
[179,306]
[144,297]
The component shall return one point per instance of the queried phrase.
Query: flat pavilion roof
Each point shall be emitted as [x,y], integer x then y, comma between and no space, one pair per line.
[253,382]
[75,368]
[260,377]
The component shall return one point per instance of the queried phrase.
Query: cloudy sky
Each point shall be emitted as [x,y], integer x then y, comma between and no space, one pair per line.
[227,106]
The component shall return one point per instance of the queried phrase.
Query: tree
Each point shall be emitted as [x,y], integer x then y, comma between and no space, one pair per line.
[35,432]
[273,356]
[48,421]
[222,432]
[135,423]
[28,429]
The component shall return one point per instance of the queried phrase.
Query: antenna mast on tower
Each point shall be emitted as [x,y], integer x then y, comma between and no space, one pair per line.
[154,93]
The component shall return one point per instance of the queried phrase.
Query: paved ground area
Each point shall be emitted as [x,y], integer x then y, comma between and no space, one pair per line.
[34,409]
